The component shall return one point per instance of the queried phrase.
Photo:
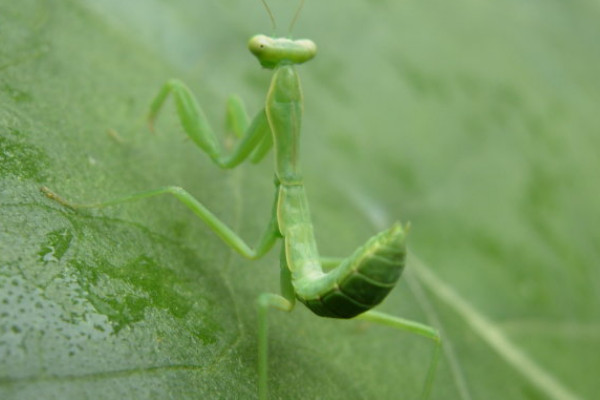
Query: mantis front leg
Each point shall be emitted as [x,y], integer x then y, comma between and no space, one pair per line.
[255,136]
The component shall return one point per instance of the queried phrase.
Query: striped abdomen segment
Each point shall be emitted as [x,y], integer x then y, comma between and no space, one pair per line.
[361,281]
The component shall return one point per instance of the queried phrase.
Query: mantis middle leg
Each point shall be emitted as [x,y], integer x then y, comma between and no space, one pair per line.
[264,244]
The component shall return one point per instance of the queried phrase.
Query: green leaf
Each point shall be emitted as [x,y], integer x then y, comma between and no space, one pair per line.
[475,122]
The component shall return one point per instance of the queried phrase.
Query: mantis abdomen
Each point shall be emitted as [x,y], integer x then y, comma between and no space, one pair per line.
[358,283]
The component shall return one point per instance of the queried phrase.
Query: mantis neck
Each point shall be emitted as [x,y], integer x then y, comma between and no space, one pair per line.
[284,112]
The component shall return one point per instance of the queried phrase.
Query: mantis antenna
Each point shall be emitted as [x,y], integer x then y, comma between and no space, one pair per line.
[270,14]
[294,19]
[296,15]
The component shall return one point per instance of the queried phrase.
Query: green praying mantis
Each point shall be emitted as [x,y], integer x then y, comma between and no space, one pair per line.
[348,288]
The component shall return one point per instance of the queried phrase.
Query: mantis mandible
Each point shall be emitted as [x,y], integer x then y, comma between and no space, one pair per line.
[356,284]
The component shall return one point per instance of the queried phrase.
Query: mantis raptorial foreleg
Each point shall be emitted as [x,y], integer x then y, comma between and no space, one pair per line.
[254,135]
[238,123]
[333,288]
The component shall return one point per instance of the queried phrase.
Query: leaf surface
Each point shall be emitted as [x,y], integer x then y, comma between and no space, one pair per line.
[475,122]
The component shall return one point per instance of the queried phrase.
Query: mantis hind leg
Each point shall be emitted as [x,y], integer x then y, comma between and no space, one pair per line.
[418,329]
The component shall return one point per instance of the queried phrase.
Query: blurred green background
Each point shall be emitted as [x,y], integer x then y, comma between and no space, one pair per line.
[475,121]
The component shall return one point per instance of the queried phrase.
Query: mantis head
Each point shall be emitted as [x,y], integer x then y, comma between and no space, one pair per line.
[272,52]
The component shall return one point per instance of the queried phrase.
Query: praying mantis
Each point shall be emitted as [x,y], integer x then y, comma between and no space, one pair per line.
[348,288]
